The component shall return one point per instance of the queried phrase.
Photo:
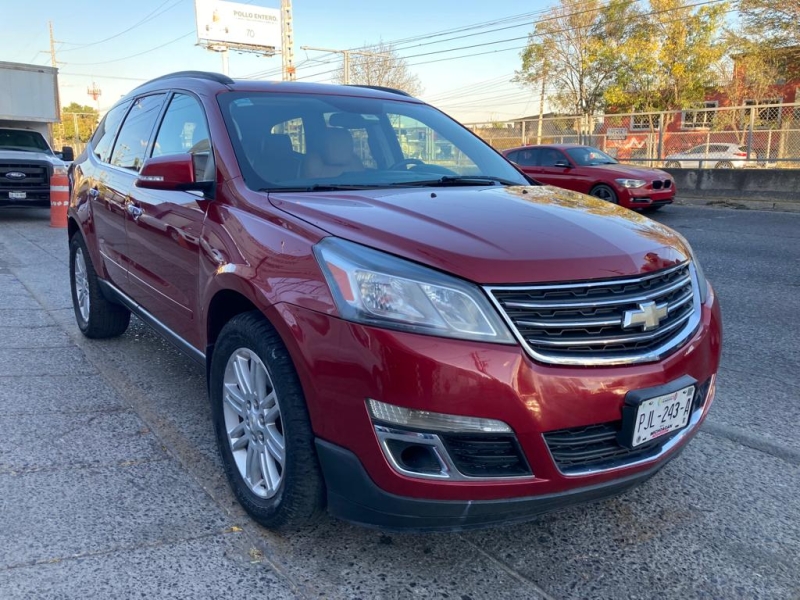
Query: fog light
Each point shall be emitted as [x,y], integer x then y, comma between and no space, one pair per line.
[432,421]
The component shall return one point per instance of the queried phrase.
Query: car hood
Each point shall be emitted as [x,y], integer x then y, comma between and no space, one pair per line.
[494,235]
[22,155]
[633,172]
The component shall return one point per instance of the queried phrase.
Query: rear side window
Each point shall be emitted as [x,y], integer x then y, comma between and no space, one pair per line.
[184,131]
[528,158]
[133,138]
[103,137]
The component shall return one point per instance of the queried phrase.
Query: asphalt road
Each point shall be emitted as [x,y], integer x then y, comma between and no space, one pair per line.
[110,484]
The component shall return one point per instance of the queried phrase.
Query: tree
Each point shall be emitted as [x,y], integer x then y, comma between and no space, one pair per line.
[675,57]
[84,117]
[380,65]
[774,23]
[574,51]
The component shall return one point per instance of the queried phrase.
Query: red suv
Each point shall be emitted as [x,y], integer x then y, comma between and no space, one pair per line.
[591,171]
[395,323]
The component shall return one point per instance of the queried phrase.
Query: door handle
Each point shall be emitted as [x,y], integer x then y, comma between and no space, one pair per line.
[134,211]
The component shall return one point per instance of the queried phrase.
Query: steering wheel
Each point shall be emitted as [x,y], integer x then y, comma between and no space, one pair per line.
[405,162]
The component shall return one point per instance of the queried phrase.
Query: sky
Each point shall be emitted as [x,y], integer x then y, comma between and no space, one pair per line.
[94,47]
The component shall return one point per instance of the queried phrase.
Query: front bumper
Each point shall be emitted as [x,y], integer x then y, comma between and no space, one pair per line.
[342,364]
[354,497]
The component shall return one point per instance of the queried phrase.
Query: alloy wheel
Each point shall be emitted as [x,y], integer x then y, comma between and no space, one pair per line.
[82,285]
[252,417]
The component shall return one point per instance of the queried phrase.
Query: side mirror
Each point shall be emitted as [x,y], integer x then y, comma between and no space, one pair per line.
[563,163]
[67,154]
[172,173]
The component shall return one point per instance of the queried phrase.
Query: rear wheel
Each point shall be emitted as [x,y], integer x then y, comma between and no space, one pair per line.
[96,316]
[262,426]
[724,165]
[604,192]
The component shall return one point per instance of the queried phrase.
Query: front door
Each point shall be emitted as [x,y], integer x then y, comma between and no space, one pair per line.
[164,227]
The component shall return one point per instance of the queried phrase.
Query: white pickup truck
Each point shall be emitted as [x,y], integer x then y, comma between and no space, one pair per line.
[28,107]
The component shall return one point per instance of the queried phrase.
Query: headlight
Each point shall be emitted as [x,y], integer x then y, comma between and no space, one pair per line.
[376,288]
[631,183]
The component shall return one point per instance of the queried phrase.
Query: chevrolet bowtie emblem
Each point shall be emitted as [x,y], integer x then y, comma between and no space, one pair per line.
[649,314]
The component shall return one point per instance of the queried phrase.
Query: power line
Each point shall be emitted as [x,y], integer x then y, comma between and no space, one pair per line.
[149,17]
[105,62]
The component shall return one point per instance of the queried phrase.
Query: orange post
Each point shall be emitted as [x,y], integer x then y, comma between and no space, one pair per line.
[59,199]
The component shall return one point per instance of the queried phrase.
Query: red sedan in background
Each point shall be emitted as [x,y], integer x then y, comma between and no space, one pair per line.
[592,171]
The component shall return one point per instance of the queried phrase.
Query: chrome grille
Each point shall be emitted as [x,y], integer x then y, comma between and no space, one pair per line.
[603,321]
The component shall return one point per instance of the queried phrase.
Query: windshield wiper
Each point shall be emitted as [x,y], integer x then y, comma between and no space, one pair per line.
[458,180]
[320,187]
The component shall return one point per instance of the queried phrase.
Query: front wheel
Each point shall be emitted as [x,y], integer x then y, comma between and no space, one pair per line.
[604,192]
[724,165]
[96,316]
[671,164]
[262,426]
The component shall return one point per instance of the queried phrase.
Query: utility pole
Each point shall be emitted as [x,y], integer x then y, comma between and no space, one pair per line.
[52,45]
[287,42]
[346,58]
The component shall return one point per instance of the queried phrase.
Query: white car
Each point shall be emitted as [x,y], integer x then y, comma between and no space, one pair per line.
[712,156]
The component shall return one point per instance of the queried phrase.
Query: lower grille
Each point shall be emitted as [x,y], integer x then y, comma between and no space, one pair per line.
[486,455]
[596,446]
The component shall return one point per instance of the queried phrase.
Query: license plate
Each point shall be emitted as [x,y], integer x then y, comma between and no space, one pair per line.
[17,195]
[662,415]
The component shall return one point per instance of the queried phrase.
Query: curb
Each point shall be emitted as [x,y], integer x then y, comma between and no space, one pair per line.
[739,203]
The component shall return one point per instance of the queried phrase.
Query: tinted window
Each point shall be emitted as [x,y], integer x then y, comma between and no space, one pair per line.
[587,156]
[529,158]
[131,146]
[103,137]
[548,157]
[184,130]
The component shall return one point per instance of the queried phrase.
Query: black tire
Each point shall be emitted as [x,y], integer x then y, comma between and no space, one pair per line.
[101,318]
[604,192]
[652,209]
[299,498]
[672,165]
[724,164]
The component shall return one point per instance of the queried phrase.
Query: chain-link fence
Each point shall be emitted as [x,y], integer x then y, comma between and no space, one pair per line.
[752,135]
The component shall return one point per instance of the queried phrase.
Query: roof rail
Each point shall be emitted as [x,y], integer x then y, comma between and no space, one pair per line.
[218,77]
[382,89]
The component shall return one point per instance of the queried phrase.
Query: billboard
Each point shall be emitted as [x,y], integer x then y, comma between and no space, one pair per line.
[230,23]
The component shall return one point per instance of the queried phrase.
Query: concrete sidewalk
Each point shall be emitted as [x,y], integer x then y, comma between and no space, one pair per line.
[91,504]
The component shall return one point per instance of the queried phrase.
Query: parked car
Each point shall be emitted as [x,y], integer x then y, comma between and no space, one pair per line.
[712,156]
[412,342]
[591,171]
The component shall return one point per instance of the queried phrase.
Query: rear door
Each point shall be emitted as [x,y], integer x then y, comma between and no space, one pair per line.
[527,159]
[126,159]
[106,202]
[164,227]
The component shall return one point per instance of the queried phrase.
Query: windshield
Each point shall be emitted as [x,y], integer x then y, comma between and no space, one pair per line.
[26,141]
[586,156]
[316,142]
